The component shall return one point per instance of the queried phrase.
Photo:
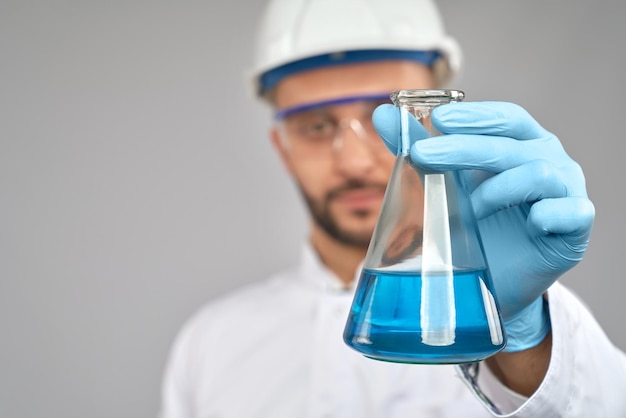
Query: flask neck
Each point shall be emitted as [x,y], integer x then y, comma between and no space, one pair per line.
[419,105]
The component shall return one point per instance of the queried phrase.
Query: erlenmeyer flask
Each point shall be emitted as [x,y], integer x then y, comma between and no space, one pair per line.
[425,294]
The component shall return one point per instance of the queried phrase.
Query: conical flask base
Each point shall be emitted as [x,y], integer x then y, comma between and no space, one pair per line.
[387,323]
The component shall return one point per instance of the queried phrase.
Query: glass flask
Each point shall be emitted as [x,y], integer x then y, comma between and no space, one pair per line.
[425,294]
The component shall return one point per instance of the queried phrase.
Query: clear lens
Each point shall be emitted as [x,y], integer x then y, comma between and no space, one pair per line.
[319,131]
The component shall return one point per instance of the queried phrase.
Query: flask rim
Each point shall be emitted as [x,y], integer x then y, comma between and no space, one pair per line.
[426,96]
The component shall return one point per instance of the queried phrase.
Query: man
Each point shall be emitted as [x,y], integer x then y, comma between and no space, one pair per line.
[275,349]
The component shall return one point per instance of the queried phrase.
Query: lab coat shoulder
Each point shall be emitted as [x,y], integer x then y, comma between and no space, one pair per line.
[226,334]
[587,373]
[256,308]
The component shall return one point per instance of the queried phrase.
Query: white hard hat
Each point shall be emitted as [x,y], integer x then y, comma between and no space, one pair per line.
[295,35]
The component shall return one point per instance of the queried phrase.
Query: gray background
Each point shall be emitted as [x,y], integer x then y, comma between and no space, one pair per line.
[136,180]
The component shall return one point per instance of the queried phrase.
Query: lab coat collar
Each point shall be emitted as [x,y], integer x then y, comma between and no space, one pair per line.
[316,274]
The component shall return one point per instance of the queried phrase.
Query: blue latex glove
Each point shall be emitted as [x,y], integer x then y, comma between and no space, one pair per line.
[529,197]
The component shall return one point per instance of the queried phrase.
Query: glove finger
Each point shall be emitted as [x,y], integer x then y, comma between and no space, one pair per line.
[386,120]
[568,216]
[487,118]
[457,152]
[526,183]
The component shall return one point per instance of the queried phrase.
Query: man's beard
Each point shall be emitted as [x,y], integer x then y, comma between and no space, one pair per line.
[321,213]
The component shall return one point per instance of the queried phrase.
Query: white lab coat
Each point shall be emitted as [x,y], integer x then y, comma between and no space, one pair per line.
[275,350]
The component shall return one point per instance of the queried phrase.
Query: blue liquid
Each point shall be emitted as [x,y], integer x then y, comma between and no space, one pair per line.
[385,322]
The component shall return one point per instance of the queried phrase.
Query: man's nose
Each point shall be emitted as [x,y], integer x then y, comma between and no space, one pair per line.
[352,148]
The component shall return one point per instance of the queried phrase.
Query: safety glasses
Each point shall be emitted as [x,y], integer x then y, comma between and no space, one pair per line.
[319,129]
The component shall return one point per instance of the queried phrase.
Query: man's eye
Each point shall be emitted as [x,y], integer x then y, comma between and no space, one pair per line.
[318,129]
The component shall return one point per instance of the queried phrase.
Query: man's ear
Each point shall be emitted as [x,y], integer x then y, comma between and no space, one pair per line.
[280,147]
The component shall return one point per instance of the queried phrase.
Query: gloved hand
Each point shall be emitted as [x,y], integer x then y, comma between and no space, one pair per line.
[528,195]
